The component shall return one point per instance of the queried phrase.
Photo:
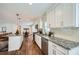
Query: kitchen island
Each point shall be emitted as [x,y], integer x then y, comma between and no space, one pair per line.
[14,42]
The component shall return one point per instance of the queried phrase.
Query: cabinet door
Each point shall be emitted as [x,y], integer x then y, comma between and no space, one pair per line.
[48,17]
[59,16]
[69,14]
[54,49]
[36,38]
[52,19]
[39,42]
[51,49]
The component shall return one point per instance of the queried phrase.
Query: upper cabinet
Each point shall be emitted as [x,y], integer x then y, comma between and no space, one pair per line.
[62,15]
[69,15]
[58,16]
[50,18]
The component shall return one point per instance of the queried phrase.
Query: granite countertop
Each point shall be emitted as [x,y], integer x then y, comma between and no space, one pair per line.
[67,44]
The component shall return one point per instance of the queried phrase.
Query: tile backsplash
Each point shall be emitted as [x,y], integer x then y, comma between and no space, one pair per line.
[69,33]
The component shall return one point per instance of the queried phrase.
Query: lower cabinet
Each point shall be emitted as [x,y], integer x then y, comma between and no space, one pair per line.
[38,40]
[42,44]
[15,43]
[50,48]
[54,49]
[59,52]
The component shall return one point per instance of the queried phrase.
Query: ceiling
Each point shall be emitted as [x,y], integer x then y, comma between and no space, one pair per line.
[27,12]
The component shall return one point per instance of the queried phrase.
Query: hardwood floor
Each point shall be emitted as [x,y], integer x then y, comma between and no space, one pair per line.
[32,48]
[28,48]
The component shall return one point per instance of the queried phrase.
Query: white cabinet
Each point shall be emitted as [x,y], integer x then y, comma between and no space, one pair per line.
[54,49]
[58,16]
[51,48]
[55,16]
[38,40]
[69,15]
[62,15]
[15,42]
[50,19]
[59,53]
[65,15]
[52,22]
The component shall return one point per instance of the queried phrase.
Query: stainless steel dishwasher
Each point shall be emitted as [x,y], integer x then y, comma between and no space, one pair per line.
[44,46]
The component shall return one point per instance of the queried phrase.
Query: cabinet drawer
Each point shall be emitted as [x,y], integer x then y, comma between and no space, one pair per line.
[58,48]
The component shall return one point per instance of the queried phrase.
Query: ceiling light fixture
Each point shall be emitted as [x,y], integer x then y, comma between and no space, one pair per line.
[18,19]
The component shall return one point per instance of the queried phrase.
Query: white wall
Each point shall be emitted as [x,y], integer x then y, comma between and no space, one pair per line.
[11,27]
